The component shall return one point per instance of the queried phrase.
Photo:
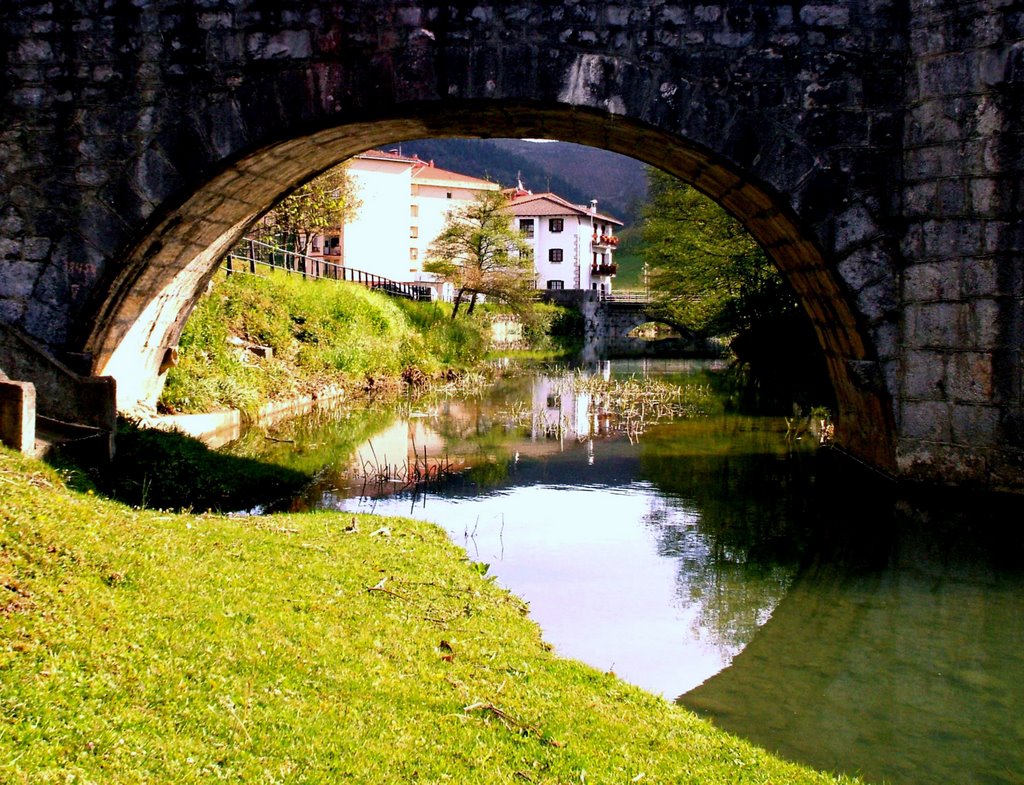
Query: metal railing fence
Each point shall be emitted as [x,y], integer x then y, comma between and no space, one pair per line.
[251,254]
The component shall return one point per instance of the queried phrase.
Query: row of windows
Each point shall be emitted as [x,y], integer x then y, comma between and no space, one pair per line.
[561,285]
[331,245]
[555,225]
[414,190]
[554,254]
[556,284]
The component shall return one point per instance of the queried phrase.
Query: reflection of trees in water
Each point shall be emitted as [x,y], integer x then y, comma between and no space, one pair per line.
[899,651]
[313,441]
[731,594]
[734,516]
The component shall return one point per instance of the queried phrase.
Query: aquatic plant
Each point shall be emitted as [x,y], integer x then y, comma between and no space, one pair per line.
[621,406]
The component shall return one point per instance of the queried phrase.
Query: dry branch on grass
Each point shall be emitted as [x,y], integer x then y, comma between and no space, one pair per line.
[512,723]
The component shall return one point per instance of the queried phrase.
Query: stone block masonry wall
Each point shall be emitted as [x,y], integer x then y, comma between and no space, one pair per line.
[960,403]
[873,147]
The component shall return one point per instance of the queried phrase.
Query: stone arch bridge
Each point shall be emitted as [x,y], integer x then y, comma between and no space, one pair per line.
[873,147]
[609,323]
[621,316]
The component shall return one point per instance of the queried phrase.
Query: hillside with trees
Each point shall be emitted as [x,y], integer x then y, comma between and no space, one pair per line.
[576,172]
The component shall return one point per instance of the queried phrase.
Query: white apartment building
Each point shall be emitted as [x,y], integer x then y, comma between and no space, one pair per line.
[405,203]
[572,244]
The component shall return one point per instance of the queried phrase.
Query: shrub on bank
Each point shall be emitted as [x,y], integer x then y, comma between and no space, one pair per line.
[319,333]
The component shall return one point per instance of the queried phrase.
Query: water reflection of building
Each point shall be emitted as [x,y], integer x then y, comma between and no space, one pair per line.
[405,446]
[456,435]
[560,411]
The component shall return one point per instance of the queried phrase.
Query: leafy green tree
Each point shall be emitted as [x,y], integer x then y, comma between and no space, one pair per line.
[480,253]
[321,205]
[710,277]
[708,274]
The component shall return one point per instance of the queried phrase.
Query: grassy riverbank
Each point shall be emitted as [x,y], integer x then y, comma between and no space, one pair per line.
[320,333]
[142,646]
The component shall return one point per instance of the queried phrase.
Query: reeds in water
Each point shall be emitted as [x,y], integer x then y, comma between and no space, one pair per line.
[623,406]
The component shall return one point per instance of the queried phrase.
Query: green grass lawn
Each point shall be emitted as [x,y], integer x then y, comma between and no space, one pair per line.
[630,261]
[321,333]
[140,646]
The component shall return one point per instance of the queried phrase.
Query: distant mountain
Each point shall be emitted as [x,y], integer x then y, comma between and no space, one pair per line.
[574,171]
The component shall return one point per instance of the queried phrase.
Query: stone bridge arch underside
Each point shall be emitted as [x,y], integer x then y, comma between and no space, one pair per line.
[868,145]
[623,318]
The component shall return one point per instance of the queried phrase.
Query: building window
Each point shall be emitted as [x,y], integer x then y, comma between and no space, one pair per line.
[526,227]
[414,231]
[556,224]
[554,255]
[556,284]
[414,210]
[414,254]
[448,195]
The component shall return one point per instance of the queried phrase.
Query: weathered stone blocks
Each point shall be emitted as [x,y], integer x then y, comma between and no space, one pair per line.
[873,147]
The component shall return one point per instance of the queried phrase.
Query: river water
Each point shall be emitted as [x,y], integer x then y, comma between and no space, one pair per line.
[717,559]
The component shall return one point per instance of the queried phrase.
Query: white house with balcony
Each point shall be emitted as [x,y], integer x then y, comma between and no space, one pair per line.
[572,244]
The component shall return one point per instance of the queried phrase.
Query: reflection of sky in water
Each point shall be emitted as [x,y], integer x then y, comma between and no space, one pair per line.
[593,574]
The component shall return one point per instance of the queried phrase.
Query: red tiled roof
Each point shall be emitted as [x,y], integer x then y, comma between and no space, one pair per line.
[382,155]
[427,173]
[552,204]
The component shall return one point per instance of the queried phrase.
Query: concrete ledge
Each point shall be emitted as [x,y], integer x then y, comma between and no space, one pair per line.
[18,416]
[218,428]
[61,393]
[214,428]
